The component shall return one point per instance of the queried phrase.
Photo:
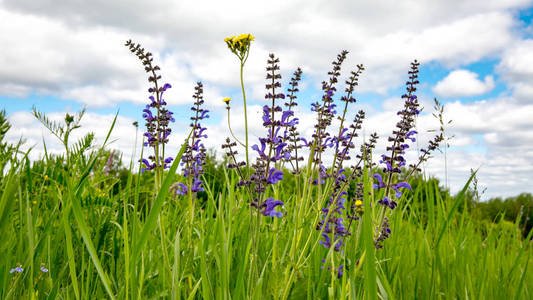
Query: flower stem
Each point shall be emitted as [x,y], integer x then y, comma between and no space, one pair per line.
[245,117]
[231,131]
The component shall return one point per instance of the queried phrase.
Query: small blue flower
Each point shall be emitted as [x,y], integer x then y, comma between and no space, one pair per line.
[44,270]
[18,269]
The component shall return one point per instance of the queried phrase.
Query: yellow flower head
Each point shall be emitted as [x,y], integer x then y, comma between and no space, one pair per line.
[239,44]
[226,100]
[45,177]
[245,37]
[358,203]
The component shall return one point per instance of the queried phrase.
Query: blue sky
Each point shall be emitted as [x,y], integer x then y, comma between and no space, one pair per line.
[477,59]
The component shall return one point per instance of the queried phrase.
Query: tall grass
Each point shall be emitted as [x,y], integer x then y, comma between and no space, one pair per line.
[103,245]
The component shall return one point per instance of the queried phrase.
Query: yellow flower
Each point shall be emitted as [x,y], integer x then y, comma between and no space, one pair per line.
[34,202]
[45,177]
[229,38]
[358,203]
[226,100]
[245,36]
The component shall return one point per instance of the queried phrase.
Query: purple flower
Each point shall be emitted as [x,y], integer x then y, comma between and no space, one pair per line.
[388,202]
[339,272]
[166,86]
[411,133]
[326,242]
[44,270]
[280,153]
[147,164]
[274,176]
[380,183]
[261,151]
[180,188]
[266,116]
[400,185]
[194,157]
[268,208]
[18,269]
[285,116]
[196,186]
[386,160]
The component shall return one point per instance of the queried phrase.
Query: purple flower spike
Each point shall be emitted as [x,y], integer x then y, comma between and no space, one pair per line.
[268,208]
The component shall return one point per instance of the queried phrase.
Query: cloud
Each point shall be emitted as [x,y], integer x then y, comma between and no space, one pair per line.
[77,50]
[463,83]
[516,67]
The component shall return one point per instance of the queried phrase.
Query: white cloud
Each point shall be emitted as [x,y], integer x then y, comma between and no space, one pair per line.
[463,83]
[77,50]
[516,67]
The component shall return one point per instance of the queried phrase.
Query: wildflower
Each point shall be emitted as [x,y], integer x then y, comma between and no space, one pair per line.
[18,269]
[179,188]
[291,135]
[109,163]
[157,123]
[274,176]
[395,160]
[46,177]
[383,234]
[240,45]
[226,100]
[268,208]
[193,159]
[244,36]
[340,271]
[325,114]
[43,269]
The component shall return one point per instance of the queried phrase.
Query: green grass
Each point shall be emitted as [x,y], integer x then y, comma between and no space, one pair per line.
[131,242]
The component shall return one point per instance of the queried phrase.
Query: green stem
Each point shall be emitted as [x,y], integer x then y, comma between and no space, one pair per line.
[245,117]
[231,131]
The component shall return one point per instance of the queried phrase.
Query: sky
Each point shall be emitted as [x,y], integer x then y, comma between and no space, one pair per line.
[476,59]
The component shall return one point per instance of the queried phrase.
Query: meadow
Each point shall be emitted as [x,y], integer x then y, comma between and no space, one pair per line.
[282,217]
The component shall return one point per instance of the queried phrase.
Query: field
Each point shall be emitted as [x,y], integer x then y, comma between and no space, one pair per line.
[275,225]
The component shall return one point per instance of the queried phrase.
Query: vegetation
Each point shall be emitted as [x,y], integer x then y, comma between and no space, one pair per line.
[83,226]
